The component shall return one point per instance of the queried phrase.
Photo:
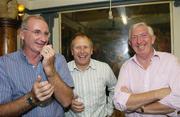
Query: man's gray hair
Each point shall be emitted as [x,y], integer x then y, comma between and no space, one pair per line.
[150,30]
[24,24]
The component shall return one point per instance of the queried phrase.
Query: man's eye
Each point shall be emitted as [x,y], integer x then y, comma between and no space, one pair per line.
[46,33]
[86,47]
[144,35]
[77,48]
[37,31]
[134,37]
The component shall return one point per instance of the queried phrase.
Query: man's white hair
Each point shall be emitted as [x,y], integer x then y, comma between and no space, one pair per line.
[150,30]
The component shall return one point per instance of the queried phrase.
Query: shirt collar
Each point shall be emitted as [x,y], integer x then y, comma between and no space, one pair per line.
[91,65]
[23,56]
[156,54]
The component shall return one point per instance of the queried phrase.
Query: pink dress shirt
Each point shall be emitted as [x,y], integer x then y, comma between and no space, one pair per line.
[164,71]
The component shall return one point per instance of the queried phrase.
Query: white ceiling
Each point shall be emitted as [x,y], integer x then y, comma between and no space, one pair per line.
[37,4]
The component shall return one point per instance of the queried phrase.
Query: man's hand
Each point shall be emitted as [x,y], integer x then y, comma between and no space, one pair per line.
[48,54]
[76,105]
[42,90]
[125,89]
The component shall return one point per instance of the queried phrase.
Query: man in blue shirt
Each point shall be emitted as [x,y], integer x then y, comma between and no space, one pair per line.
[34,81]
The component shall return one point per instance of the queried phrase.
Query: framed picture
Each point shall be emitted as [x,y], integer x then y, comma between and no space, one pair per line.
[110,33]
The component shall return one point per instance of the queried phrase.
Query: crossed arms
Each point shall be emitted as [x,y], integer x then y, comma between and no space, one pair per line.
[147,102]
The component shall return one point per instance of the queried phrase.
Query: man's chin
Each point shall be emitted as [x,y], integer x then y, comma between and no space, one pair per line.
[85,62]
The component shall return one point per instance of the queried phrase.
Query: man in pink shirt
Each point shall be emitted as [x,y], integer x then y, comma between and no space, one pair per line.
[148,83]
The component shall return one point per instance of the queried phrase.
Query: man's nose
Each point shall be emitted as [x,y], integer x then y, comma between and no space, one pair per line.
[139,39]
[44,39]
[82,49]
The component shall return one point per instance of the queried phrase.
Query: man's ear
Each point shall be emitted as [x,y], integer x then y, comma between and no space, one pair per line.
[129,42]
[153,39]
[72,53]
[92,51]
[21,34]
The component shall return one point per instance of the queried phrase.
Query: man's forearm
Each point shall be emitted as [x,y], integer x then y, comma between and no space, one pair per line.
[157,108]
[62,92]
[15,108]
[137,100]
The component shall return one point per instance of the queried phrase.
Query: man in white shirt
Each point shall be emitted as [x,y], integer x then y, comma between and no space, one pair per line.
[91,77]
[148,83]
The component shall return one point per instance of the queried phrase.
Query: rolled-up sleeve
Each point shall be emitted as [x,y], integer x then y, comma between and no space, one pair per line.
[62,69]
[173,99]
[120,98]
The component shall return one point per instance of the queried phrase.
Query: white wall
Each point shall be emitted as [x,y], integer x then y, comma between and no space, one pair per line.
[176,28]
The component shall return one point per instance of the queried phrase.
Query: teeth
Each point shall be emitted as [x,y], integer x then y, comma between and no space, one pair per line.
[82,56]
[142,46]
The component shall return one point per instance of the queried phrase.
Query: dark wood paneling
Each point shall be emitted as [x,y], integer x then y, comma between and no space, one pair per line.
[8,35]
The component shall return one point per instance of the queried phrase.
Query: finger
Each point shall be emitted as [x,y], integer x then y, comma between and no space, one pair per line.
[45,84]
[39,78]
[36,86]
[44,50]
[47,92]
[48,54]
[50,45]
[77,108]
[50,49]
[77,103]
[46,97]
[37,82]
[43,87]
[47,48]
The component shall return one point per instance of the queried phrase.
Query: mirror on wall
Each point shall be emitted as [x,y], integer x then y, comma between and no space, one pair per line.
[110,36]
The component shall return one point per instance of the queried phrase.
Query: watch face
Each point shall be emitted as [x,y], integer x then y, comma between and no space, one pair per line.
[31,101]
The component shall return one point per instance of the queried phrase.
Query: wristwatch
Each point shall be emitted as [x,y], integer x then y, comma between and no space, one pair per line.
[31,101]
[142,109]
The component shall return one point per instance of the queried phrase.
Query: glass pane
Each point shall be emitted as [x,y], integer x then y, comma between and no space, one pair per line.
[110,36]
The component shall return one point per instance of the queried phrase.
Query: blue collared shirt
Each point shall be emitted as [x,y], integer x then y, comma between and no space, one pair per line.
[17,77]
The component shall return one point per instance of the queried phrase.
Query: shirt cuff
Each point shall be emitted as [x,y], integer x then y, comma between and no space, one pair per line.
[120,100]
[172,101]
